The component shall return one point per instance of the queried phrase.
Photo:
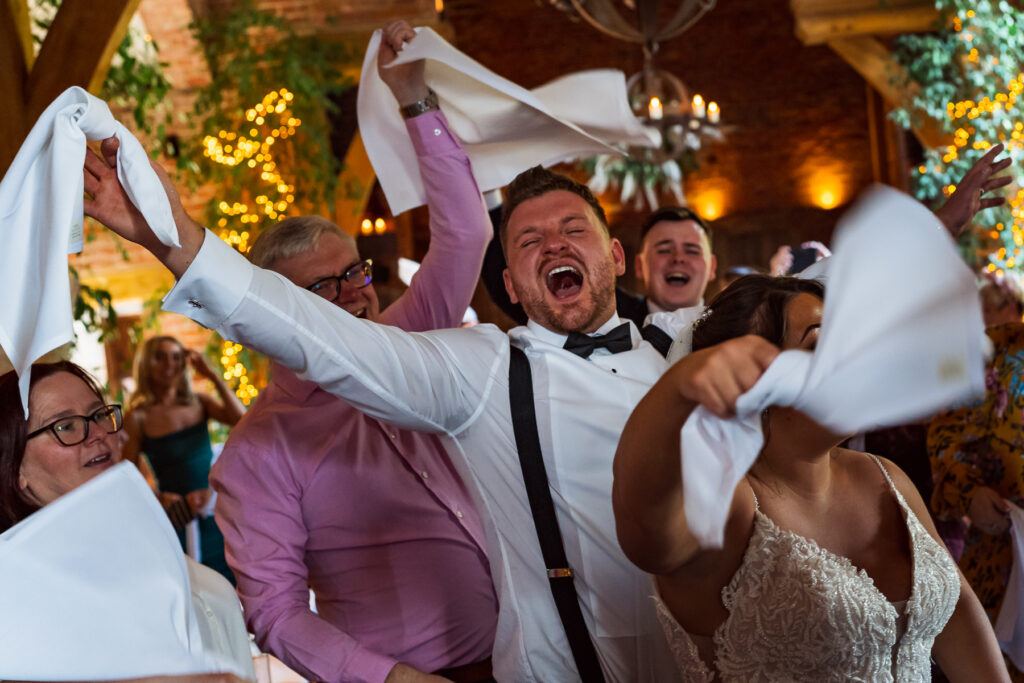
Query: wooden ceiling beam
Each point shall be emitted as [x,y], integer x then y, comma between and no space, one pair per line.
[873,61]
[77,50]
[822,21]
[15,60]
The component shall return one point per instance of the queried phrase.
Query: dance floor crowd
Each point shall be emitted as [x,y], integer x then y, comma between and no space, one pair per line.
[622,488]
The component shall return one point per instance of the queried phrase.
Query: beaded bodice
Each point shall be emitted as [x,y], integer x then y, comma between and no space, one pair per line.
[798,612]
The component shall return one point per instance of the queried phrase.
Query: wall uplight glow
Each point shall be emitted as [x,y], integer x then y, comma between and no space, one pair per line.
[826,190]
[709,203]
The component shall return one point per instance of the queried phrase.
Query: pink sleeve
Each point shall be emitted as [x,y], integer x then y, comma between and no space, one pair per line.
[259,513]
[459,232]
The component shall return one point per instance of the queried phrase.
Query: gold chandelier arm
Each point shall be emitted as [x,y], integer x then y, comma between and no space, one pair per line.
[689,12]
[606,19]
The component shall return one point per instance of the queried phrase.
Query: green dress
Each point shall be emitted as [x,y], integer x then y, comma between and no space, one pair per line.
[181,462]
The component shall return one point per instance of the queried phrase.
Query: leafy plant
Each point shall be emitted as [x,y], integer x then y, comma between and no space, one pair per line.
[966,79]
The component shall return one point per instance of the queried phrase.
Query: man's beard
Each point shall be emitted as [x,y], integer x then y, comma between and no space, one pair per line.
[576,318]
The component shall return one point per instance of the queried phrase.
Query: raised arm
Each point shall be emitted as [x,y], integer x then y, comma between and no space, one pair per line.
[969,197]
[429,382]
[459,227]
[225,407]
[647,495]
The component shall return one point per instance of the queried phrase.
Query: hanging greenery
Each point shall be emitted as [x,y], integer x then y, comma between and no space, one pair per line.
[260,69]
[261,136]
[966,80]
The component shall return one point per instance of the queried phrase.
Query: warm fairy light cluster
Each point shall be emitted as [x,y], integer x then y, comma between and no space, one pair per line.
[274,118]
[1013,257]
[234,369]
[267,123]
[1003,110]
[1003,104]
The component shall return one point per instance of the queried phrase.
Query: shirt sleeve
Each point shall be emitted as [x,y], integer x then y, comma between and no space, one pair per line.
[431,381]
[265,541]
[460,229]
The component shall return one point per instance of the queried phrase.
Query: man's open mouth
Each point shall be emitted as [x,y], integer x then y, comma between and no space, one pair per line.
[564,282]
[677,279]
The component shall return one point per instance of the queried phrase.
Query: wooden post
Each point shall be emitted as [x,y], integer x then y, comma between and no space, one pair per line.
[77,51]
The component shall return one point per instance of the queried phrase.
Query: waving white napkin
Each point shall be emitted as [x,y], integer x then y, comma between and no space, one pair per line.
[901,337]
[504,128]
[1009,626]
[95,586]
[41,221]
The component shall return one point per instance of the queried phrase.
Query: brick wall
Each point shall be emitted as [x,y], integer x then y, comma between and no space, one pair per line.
[797,117]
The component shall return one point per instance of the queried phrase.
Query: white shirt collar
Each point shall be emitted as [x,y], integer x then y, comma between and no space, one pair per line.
[555,339]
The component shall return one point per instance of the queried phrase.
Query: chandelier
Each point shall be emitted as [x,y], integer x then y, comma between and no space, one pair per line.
[657,97]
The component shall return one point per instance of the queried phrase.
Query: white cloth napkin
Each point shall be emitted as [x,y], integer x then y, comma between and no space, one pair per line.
[41,221]
[95,586]
[901,337]
[1009,626]
[504,128]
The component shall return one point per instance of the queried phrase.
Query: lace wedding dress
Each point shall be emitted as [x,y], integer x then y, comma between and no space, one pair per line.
[798,612]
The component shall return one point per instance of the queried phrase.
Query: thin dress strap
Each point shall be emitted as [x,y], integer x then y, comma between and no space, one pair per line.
[757,507]
[885,473]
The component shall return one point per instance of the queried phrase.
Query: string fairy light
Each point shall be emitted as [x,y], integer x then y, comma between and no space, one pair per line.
[266,124]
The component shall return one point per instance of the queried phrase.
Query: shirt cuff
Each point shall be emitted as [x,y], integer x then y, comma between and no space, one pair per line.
[213,286]
[370,666]
[430,135]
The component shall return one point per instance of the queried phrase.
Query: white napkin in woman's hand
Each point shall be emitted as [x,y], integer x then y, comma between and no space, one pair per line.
[901,337]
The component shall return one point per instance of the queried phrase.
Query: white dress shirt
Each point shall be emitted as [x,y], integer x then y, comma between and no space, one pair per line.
[455,383]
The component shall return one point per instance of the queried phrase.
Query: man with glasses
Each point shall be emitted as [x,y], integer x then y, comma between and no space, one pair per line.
[373,518]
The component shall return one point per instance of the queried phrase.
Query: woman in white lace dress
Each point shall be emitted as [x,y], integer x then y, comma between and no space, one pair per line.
[831,568]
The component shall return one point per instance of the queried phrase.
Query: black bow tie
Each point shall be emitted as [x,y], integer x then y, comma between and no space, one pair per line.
[616,341]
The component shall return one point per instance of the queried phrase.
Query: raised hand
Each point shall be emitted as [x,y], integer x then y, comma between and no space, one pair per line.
[200,366]
[717,376]
[988,511]
[405,80]
[109,204]
[969,197]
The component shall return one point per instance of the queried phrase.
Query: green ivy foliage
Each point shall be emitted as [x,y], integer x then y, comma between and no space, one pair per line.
[249,53]
[974,57]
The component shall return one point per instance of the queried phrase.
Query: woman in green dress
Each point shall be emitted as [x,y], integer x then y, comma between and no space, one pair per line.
[168,422]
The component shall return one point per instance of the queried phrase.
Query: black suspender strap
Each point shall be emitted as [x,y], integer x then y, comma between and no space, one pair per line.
[560,575]
[657,337]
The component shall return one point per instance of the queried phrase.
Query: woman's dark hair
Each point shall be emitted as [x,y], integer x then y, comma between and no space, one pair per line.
[13,429]
[753,304]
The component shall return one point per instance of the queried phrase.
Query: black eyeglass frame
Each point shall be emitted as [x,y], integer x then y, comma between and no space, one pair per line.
[365,267]
[105,411]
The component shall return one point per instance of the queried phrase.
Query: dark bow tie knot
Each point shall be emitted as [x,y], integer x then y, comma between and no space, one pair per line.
[616,341]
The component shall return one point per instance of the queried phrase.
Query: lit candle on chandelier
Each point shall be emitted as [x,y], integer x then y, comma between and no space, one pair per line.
[714,113]
[698,106]
[654,109]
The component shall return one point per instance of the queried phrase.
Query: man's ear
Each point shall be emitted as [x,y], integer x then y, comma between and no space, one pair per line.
[712,267]
[509,287]
[619,257]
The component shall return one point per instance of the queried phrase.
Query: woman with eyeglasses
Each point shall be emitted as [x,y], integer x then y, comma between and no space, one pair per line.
[168,422]
[72,434]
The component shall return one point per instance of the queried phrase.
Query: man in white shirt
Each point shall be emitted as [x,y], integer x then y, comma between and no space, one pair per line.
[563,266]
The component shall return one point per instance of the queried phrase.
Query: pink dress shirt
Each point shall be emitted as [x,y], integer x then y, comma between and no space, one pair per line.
[312,492]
